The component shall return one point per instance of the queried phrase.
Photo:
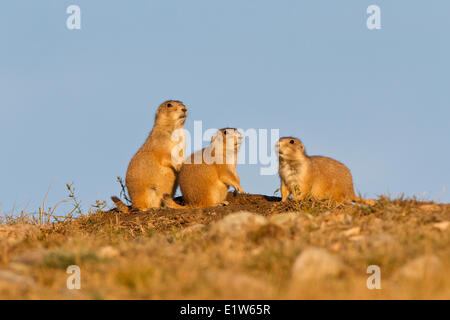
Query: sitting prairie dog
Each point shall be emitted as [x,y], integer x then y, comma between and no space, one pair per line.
[207,174]
[153,170]
[315,176]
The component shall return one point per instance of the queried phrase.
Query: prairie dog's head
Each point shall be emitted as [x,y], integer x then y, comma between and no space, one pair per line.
[171,113]
[290,148]
[230,138]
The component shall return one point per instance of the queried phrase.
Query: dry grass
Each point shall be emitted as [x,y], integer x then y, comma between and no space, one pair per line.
[170,254]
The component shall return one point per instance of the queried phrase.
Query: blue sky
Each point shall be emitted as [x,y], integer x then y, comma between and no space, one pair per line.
[76,105]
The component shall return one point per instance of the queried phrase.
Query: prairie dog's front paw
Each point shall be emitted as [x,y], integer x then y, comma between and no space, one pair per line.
[240,190]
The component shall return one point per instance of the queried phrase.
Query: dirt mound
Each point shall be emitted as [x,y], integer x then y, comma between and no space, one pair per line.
[165,219]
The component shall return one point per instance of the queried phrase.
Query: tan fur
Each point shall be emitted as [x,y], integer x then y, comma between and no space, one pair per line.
[312,176]
[120,205]
[206,184]
[152,171]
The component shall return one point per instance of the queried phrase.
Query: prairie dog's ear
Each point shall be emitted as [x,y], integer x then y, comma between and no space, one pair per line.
[302,148]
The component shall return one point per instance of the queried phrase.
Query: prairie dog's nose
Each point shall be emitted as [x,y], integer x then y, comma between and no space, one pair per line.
[184,109]
[277,147]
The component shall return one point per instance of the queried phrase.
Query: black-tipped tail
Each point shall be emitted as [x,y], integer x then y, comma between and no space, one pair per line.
[169,203]
[120,205]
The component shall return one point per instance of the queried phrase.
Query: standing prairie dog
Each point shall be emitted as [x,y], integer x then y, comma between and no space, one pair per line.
[316,176]
[152,171]
[207,174]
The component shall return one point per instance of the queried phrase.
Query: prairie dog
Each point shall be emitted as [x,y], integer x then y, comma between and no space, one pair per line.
[316,176]
[153,170]
[206,176]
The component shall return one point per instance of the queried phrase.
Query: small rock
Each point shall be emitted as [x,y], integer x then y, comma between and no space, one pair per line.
[19,268]
[283,219]
[256,251]
[11,277]
[375,224]
[238,284]
[30,257]
[442,225]
[344,218]
[430,207]
[352,232]
[348,219]
[108,252]
[357,238]
[238,224]
[326,213]
[420,268]
[377,221]
[336,246]
[314,264]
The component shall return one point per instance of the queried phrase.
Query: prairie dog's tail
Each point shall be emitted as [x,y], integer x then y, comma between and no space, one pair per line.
[168,202]
[120,205]
[369,202]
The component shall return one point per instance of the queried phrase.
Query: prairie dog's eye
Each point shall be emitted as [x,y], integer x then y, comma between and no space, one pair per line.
[291,142]
[169,105]
[225,132]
